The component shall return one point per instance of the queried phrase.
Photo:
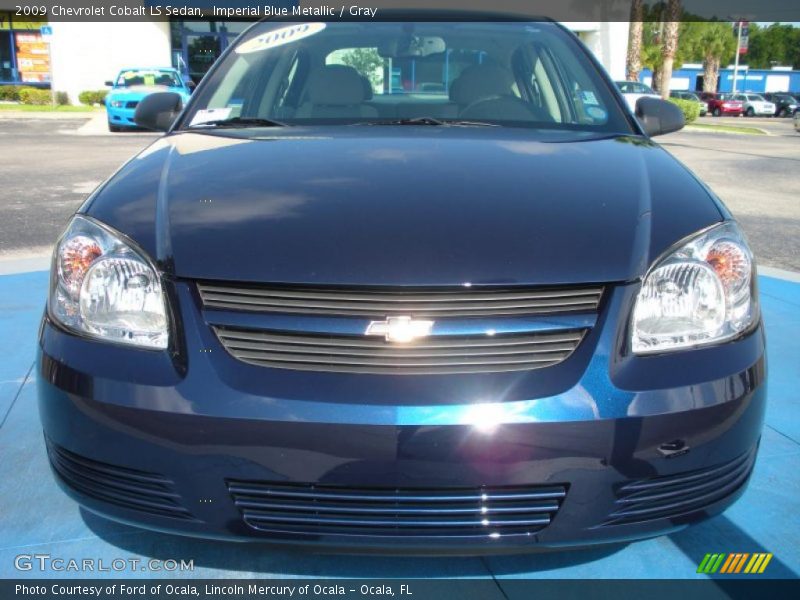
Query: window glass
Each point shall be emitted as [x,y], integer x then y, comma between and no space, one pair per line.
[512,74]
[148,77]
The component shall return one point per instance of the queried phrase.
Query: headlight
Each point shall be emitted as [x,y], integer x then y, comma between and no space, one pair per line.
[116,103]
[701,293]
[102,287]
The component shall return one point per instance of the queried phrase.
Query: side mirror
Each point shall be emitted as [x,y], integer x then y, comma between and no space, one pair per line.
[658,116]
[158,111]
[109,84]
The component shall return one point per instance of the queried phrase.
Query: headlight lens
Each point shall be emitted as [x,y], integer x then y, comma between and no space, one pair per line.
[701,293]
[116,103]
[103,287]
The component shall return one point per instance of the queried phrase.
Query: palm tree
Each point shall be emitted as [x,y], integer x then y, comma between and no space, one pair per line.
[633,62]
[669,46]
[710,42]
[717,43]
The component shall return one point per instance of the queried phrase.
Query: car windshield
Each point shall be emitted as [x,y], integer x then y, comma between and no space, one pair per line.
[134,77]
[634,87]
[469,74]
[729,97]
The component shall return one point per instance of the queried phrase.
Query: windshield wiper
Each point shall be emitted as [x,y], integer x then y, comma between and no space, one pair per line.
[432,121]
[241,122]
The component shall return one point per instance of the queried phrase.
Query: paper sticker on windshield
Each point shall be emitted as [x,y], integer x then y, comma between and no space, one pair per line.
[279,37]
[210,114]
[588,98]
[597,113]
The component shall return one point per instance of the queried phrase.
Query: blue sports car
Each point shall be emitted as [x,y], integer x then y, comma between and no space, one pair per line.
[131,85]
[410,286]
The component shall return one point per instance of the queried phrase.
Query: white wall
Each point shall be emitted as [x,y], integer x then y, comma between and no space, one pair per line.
[608,41]
[87,54]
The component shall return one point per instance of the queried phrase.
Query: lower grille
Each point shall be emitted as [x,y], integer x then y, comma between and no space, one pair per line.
[674,495]
[136,490]
[330,510]
[433,356]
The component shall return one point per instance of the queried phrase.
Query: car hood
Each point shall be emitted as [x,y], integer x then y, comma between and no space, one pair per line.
[404,206]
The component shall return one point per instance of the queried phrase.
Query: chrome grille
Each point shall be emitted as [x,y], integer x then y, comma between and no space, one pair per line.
[324,509]
[357,354]
[441,303]
[674,495]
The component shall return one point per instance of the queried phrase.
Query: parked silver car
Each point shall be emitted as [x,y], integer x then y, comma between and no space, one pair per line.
[633,90]
[756,105]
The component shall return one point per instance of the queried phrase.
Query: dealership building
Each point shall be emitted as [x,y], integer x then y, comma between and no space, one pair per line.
[78,56]
[690,78]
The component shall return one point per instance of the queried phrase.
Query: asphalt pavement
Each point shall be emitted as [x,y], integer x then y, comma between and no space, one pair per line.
[48,170]
[758,178]
[49,167]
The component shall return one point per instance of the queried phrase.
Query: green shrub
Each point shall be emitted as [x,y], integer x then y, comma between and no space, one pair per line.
[689,108]
[34,96]
[10,93]
[92,97]
[62,98]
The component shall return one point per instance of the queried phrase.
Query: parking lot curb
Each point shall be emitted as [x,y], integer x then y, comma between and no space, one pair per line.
[14,265]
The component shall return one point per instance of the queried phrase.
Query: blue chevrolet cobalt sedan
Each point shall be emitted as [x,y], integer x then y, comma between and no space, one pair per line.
[407,286]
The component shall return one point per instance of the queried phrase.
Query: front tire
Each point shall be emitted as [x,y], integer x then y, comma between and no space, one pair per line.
[750,112]
[717,112]
[114,128]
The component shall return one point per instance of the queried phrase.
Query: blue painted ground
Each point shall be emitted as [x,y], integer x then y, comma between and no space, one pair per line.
[35,517]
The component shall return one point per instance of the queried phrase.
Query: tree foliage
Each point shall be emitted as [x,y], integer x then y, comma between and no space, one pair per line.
[366,61]
[777,44]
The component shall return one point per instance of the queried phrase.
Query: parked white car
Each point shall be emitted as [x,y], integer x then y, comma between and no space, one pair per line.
[633,90]
[755,105]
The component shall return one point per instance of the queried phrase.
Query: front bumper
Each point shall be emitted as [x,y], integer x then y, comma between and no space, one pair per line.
[121,117]
[191,433]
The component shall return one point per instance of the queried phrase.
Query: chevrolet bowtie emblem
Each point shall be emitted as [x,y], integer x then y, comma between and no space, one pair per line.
[400,329]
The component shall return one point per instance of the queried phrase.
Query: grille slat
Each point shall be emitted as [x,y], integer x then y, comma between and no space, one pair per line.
[315,507]
[423,344]
[369,302]
[310,509]
[673,495]
[136,490]
[413,352]
[456,354]
[404,496]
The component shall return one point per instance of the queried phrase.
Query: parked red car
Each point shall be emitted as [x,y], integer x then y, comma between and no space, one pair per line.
[722,104]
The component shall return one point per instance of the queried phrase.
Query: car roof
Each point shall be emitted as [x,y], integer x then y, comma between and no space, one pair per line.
[432,14]
[148,69]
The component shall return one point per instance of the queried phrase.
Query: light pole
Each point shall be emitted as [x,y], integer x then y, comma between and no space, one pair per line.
[736,59]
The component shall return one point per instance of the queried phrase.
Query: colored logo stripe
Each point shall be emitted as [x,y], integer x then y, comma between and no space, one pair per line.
[734,563]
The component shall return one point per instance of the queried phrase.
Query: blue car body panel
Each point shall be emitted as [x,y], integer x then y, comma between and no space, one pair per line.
[264,209]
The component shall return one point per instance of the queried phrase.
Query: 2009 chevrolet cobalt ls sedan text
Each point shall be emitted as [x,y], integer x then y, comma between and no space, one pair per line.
[411,286]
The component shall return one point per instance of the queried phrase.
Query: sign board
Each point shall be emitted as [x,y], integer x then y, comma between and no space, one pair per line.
[745,35]
[33,57]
